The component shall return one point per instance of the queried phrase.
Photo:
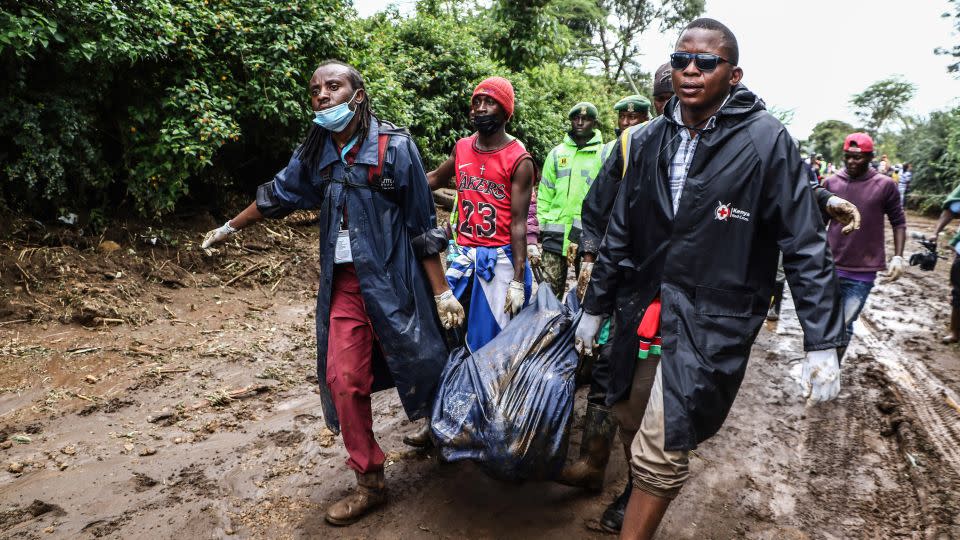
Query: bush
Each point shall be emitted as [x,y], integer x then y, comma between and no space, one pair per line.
[148,97]
[146,102]
[932,147]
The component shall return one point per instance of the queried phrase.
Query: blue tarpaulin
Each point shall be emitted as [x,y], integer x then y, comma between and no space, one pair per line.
[507,406]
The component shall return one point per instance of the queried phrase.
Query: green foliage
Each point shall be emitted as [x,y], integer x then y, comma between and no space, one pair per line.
[785,116]
[526,34]
[23,32]
[954,50]
[827,139]
[932,147]
[149,97]
[882,101]
[614,42]
[151,104]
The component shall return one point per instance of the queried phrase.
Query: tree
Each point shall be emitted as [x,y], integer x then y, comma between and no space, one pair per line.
[882,101]
[955,50]
[527,34]
[148,101]
[827,139]
[614,41]
[932,146]
[785,116]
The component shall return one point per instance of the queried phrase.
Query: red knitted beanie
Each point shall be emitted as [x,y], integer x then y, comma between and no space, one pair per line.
[500,90]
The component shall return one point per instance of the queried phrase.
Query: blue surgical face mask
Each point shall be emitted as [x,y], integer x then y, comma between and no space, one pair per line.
[336,118]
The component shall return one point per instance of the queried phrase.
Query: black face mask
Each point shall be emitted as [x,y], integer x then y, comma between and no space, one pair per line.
[486,124]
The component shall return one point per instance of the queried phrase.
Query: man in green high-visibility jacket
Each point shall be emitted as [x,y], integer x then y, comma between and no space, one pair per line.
[568,172]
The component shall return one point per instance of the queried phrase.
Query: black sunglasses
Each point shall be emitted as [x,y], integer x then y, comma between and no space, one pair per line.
[703,61]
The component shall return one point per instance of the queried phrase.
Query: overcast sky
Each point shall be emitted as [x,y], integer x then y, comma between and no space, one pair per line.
[812,56]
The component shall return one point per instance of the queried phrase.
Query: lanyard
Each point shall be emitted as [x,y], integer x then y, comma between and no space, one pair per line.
[347,147]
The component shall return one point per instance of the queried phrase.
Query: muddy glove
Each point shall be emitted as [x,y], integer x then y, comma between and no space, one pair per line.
[586,269]
[218,235]
[845,213]
[897,268]
[533,254]
[514,298]
[821,376]
[449,309]
[572,252]
[587,332]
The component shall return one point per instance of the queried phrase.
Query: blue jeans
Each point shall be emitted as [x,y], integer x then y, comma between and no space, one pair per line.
[853,295]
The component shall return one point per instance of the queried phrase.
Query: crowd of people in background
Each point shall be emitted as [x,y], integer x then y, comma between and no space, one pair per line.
[900,173]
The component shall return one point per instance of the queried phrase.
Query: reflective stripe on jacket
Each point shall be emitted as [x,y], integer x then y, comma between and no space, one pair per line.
[567,174]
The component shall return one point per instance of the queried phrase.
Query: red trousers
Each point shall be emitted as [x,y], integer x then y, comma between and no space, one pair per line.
[350,370]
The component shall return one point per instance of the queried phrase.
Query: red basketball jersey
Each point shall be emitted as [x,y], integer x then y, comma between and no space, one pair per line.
[483,192]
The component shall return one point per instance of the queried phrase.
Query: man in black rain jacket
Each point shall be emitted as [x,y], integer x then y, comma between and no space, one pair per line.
[713,189]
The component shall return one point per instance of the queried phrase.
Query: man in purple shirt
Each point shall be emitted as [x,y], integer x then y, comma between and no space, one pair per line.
[860,255]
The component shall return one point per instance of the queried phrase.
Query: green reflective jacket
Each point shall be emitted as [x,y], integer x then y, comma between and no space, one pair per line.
[568,172]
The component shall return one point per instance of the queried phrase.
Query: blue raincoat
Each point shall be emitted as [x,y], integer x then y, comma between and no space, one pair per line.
[391,228]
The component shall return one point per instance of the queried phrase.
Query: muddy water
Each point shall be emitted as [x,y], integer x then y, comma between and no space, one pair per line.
[150,447]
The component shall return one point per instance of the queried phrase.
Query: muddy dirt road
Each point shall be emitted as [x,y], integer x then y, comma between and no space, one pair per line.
[150,391]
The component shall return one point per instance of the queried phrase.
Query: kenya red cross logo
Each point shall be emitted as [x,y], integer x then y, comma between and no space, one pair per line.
[722,212]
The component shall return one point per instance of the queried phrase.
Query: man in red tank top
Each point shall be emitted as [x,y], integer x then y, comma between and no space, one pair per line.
[494,176]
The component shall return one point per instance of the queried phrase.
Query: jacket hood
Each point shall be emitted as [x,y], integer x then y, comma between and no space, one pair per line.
[596,140]
[740,103]
[871,172]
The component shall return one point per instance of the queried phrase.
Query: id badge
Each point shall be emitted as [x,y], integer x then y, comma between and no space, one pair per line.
[343,254]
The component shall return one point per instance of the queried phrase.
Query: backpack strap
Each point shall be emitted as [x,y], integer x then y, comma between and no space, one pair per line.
[374,174]
[625,149]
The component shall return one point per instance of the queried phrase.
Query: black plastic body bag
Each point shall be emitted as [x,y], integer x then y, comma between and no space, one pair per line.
[508,405]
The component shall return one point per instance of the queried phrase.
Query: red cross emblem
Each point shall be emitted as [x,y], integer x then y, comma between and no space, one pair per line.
[722,212]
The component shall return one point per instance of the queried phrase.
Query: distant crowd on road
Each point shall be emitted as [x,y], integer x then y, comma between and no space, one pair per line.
[900,173]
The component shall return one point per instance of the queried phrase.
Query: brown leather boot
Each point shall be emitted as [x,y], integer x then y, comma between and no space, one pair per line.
[371,493]
[598,431]
[420,438]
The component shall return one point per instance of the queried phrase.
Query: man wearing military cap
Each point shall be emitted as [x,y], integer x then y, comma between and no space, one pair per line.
[632,110]
[568,172]
[600,422]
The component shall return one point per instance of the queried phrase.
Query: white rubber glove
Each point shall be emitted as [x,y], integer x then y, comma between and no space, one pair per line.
[218,235]
[897,266]
[514,298]
[845,213]
[449,309]
[586,269]
[587,332]
[821,376]
[572,252]
[534,254]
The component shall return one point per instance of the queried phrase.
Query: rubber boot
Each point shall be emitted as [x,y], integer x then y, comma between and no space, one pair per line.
[774,313]
[954,334]
[420,438]
[371,493]
[598,431]
[612,519]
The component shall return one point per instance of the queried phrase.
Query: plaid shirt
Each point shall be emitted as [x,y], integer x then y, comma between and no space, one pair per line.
[680,164]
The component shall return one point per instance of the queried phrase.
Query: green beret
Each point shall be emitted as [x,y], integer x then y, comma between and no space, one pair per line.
[584,107]
[633,103]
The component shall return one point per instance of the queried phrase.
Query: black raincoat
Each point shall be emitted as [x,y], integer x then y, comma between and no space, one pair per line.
[746,197]
[392,226]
